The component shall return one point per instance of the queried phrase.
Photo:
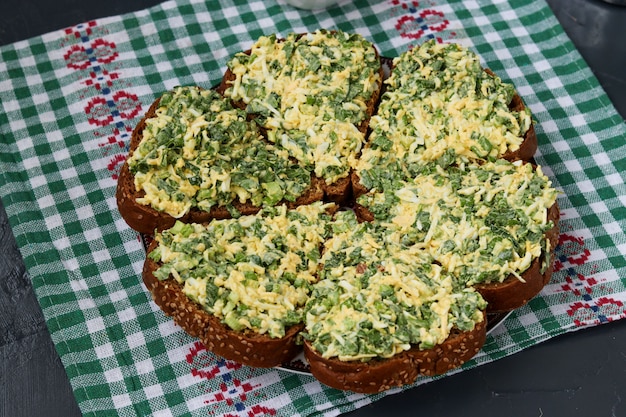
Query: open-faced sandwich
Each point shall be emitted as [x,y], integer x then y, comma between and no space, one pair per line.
[240,285]
[440,104]
[195,157]
[305,204]
[313,95]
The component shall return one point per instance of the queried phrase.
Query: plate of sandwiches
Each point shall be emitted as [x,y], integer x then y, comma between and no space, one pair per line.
[326,210]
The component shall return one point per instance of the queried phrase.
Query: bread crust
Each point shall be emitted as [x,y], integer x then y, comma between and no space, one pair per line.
[245,347]
[528,147]
[378,375]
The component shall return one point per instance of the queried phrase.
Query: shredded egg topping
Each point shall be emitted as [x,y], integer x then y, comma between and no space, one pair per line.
[198,151]
[254,272]
[449,213]
[310,92]
[439,101]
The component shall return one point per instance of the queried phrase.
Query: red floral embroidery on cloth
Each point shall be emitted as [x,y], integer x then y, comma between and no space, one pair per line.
[421,20]
[572,260]
[109,107]
[233,392]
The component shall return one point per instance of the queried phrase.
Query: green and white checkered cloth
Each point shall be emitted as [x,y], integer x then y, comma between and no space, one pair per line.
[70,99]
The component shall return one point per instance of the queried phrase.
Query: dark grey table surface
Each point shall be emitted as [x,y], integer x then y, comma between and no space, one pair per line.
[577,374]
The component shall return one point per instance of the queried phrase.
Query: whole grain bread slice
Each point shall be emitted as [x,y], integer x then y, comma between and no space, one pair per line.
[525,152]
[340,191]
[513,293]
[145,219]
[244,347]
[379,375]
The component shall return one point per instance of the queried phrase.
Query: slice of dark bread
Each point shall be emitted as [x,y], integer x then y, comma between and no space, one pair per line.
[525,151]
[339,191]
[513,293]
[378,375]
[146,219]
[245,347]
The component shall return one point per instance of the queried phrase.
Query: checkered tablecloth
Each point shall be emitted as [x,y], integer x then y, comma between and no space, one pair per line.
[70,99]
